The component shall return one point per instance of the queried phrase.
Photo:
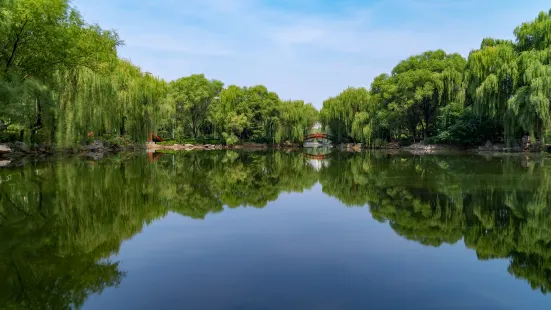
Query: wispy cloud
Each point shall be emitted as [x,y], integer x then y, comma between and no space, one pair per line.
[301,49]
[192,44]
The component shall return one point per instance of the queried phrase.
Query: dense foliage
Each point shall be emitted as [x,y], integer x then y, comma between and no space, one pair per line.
[60,77]
[502,91]
[62,82]
[229,115]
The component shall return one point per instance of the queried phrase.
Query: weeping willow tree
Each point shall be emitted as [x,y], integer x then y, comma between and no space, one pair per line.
[502,90]
[338,113]
[61,78]
[118,100]
[46,41]
[141,100]
[363,127]
[20,100]
[491,77]
[530,107]
[511,81]
[426,83]
[254,113]
[230,114]
[296,118]
[404,103]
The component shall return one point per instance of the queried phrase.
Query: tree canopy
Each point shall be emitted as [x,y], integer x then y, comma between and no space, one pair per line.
[501,91]
[61,79]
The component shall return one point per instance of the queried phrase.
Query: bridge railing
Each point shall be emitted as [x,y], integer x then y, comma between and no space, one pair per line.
[316,136]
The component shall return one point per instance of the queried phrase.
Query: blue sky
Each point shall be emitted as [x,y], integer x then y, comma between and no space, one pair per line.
[308,50]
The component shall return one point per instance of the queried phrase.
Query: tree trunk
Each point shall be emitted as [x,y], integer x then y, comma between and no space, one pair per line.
[15,46]
[38,123]
[122,129]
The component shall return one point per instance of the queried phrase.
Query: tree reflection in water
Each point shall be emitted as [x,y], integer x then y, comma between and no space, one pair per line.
[61,222]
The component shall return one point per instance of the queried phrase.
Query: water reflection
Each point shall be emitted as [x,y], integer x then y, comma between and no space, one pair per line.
[60,223]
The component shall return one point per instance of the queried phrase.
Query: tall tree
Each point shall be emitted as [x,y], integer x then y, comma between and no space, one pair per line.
[491,76]
[338,113]
[426,83]
[530,106]
[296,118]
[192,97]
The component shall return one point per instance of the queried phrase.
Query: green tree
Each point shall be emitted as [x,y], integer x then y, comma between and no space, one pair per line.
[491,76]
[426,83]
[43,38]
[338,113]
[530,107]
[296,118]
[192,97]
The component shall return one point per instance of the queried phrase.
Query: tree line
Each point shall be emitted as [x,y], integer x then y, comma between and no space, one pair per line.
[204,109]
[62,81]
[502,91]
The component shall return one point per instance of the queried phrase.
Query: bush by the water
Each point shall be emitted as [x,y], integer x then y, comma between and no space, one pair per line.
[469,130]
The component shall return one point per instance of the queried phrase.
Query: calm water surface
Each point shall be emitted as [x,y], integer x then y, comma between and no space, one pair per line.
[254,230]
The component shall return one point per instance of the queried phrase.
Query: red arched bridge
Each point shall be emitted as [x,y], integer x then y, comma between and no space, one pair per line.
[318,135]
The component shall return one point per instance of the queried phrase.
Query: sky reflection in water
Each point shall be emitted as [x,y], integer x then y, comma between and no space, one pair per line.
[365,231]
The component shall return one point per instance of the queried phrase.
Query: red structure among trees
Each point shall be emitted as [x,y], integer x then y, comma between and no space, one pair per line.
[318,135]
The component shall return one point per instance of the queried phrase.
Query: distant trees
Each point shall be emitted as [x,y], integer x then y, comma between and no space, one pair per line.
[339,113]
[61,78]
[192,97]
[405,103]
[502,90]
[205,109]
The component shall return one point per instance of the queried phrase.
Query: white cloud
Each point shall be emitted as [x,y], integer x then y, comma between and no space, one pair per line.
[192,44]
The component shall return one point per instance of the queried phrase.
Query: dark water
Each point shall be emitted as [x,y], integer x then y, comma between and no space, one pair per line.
[227,230]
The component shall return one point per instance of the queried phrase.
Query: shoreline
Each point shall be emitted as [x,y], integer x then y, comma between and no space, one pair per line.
[19,154]
[211,147]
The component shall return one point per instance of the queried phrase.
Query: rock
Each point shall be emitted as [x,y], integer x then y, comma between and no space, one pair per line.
[4,163]
[4,149]
[526,162]
[20,147]
[94,155]
[526,143]
[96,146]
[394,145]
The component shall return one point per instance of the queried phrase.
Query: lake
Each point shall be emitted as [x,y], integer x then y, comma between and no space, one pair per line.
[277,230]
